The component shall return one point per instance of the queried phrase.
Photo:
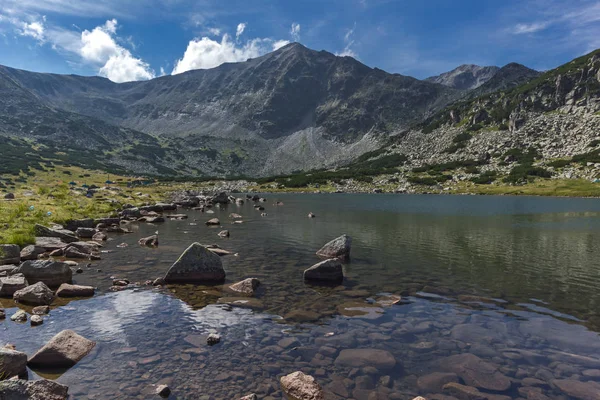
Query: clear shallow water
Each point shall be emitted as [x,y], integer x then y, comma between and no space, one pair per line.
[534,260]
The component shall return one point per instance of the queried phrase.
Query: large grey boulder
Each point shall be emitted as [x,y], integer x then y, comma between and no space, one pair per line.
[221,198]
[329,270]
[337,248]
[31,252]
[10,284]
[52,273]
[10,254]
[299,386]
[12,363]
[42,389]
[196,264]
[64,350]
[37,294]
[63,234]
[85,233]
[50,243]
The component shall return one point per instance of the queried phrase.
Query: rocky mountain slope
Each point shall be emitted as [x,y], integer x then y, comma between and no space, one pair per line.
[465,77]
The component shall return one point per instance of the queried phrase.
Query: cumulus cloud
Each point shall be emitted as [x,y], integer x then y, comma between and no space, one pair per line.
[214,31]
[295,32]
[240,29]
[99,46]
[279,44]
[34,29]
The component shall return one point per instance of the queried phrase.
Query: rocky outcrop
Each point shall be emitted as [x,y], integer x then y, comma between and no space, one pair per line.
[246,287]
[328,270]
[196,264]
[52,273]
[33,390]
[64,350]
[67,290]
[37,294]
[10,284]
[299,386]
[12,363]
[337,248]
[9,254]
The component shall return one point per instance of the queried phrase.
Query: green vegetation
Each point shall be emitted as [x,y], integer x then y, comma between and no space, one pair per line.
[486,178]
[525,173]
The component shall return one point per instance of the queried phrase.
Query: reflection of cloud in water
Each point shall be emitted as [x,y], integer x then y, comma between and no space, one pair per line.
[216,317]
[122,309]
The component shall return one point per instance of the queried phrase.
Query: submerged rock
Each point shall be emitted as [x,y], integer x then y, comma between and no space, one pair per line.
[224,234]
[299,386]
[246,287]
[476,372]
[150,241]
[37,294]
[10,254]
[382,360]
[68,290]
[328,270]
[52,273]
[337,248]
[196,264]
[578,389]
[64,350]
[42,389]
[12,363]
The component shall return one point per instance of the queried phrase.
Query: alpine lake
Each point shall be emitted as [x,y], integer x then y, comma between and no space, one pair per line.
[499,295]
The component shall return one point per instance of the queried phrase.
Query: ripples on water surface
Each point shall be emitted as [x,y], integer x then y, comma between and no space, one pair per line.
[511,280]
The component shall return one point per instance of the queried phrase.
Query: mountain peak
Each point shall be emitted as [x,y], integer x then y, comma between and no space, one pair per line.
[465,77]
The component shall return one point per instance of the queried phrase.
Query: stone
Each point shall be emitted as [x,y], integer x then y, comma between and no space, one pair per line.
[50,243]
[158,282]
[246,287]
[42,389]
[434,382]
[85,233]
[12,363]
[52,273]
[299,386]
[463,392]
[235,216]
[476,372]
[40,310]
[68,290]
[9,196]
[196,264]
[35,295]
[311,215]
[31,252]
[577,389]
[74,252]
[163,391]
[382,360]
[213,222]
[63,234]
[10,254]
[150,241]
[36,320]
[328,270]
[19,316]
[100,237]
[224,234]
[337,248]
[250,396]
[220,198]
[213,339]
[64,350]
[10,284]
[2,315]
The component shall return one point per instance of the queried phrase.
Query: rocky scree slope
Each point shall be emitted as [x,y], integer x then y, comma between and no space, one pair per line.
[465,77]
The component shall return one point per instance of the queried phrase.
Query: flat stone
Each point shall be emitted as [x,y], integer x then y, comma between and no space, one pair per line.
[434,382]
[358,309]
[196,264]
[9,285]
[52,273]
[68,290]
[33,390]
[476,372]
[63,234]
[50,243]
[64,350]
[577,389]
[382,360]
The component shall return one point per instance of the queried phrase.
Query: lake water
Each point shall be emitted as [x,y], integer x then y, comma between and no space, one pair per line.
[514,281]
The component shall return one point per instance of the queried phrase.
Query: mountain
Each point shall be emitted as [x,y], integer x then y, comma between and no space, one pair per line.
[507,77]
[465,77]
[292,109]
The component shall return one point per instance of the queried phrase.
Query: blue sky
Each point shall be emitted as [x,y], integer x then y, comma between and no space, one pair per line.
[139,39]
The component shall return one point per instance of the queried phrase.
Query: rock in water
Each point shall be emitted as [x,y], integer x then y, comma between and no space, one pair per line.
[52,273]
[163,391]
[33,390]
[246,287]
[359,358]
[10,284]
[328,270]
[40,310]
[19,316]
[150,241]
[196,264]
[12,363]
[100,237]
[37,294]
[62,351]
[337,248]
[476,372]
[224,234]
[36,320]
[68,290]
[213,339]
[213,222]
[299,386]
[10,254]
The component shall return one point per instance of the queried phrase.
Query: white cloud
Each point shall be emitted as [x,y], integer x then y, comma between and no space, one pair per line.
[33,29]
[214,31]
[520,29]
[348,50]
[279,44]
[295,32]
[240,29]
[207,53]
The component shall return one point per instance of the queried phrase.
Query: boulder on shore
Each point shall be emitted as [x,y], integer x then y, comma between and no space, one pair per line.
[100,237]
[10,254]
[68,290]
[85,233]
[329,270]
[52,273]
[64,350]
[42,389]
[12,363]
[299,386]
[50,243]
[10,284]
[337,248]
[196,264]
[246,287]
[63,234]
[37,294]
[31,252]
